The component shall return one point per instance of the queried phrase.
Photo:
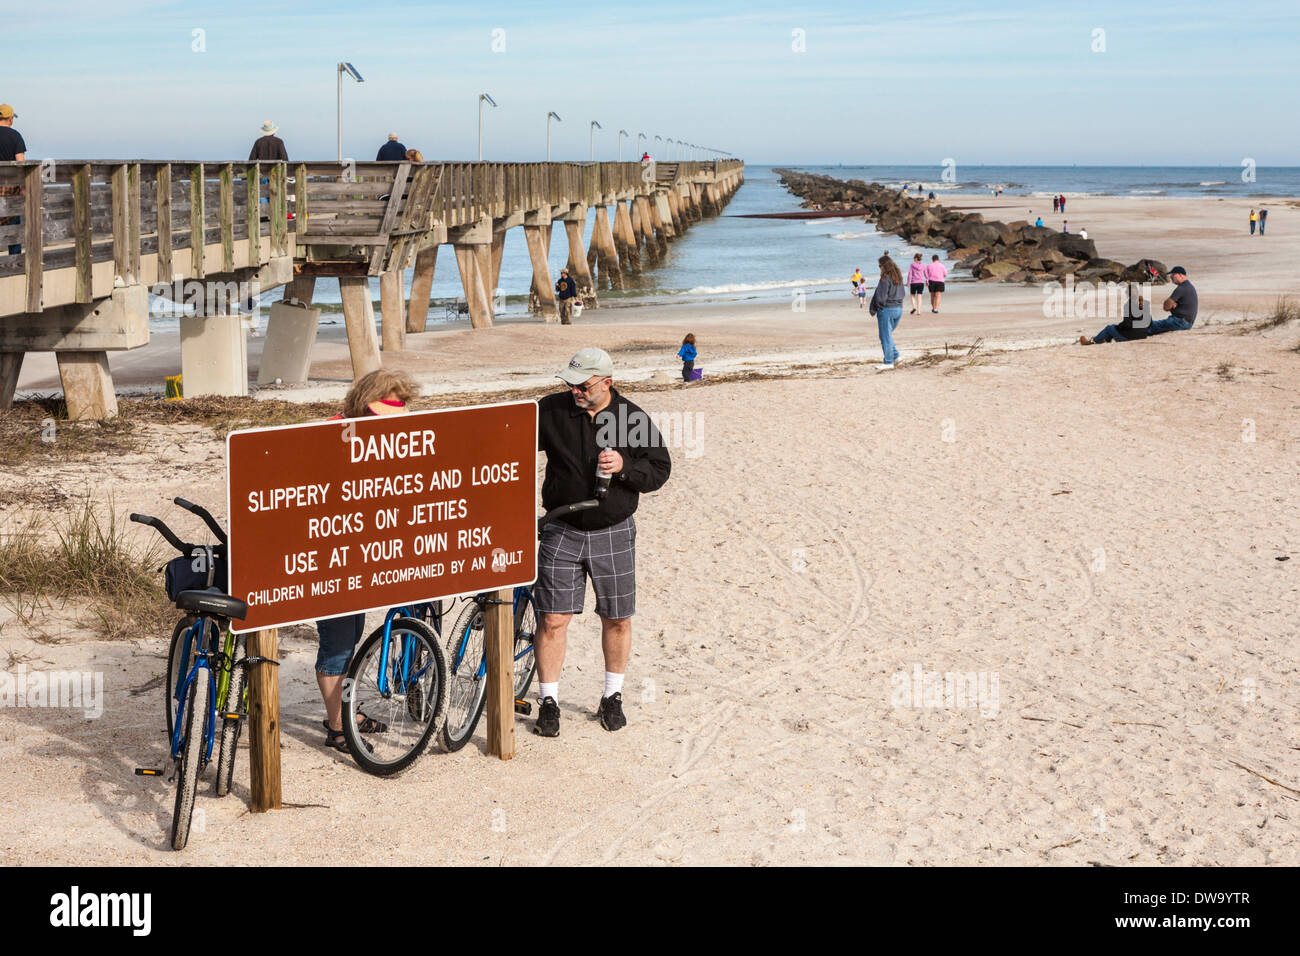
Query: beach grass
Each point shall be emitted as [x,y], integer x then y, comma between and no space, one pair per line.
[80,555]
[1285,311]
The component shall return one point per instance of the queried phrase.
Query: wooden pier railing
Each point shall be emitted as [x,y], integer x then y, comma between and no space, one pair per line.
[82,241]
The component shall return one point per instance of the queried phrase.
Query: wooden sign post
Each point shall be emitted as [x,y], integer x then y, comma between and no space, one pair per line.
[264,721]
[499,639]
[342,517]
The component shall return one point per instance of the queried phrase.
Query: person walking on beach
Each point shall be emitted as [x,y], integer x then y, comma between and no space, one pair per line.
[855,280]
[1056,204]
[381,392]
[1253,219]
[935,274]
[1263,219]
[887,307]
[1181,305]
[687,354]
[592,437]
[12,149]
[268,147]
[391,151]
[1062,199]
[862,293]
[916,282]
[566,290]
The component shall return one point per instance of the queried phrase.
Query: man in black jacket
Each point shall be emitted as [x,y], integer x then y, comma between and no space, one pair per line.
[588,430]
[268,146]
[566,290]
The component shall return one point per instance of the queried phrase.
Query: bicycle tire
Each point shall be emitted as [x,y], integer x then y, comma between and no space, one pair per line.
[465,709]
[525,630]
[231,726]
[411,716]
[191,760]
[173,665]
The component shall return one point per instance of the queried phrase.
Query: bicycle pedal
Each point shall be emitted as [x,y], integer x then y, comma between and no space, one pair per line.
[523,707]
[147,772]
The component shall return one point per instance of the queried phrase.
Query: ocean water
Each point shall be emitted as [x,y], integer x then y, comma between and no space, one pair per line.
[731,259]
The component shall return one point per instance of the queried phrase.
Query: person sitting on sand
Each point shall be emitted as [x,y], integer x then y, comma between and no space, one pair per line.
[1181,305]
[687,354]
[381,392]
[935,274]
[1135,324]
[887,307]
[916,282]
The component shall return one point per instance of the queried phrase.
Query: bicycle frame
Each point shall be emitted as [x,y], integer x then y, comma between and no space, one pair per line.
[405,677]
[521,595]
[202,656]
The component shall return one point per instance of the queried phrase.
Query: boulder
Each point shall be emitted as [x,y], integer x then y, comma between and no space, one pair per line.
[962,252]
[1077,247]
[1146,270]
[1097,269]
[981,235]
[998,270]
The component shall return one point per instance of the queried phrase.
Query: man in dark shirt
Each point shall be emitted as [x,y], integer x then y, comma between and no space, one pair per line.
[566,290]
[268,147]
[1181,305]
[12,149]
[391,151]
[588,429]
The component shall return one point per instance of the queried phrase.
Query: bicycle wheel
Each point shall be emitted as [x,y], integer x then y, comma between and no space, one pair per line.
[231,726]
[525,629]
[191,760]
[467,683]
[412,707]
[176,670]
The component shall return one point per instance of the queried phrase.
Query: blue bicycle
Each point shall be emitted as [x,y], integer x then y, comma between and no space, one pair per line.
[467,653]
[395,695]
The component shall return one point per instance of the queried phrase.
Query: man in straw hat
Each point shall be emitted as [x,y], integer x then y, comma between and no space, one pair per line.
[268,146]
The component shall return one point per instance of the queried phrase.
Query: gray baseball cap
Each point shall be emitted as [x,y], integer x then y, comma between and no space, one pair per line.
[585,364]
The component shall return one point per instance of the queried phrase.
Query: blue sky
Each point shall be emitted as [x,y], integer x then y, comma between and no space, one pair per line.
[1180,84]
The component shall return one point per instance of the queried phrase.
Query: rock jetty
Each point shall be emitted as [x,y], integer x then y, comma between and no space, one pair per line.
[992,250]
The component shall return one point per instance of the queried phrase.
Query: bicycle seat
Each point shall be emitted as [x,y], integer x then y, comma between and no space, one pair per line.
[212,602]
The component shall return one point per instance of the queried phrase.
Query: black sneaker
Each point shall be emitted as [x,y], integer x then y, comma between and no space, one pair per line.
[548,718]
[610,712]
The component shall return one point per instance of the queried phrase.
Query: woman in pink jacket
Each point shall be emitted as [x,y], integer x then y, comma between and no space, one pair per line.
[916,281]
[935,273]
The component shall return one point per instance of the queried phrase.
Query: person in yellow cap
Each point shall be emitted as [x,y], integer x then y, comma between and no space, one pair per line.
[268,146]
[12,148]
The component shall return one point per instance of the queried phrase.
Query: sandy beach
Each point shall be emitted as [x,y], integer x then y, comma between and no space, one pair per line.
[1100,544]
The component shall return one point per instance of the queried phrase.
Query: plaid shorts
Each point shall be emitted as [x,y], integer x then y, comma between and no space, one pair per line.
[567,556]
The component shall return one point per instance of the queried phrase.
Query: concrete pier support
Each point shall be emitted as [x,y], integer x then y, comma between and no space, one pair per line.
[11,364]
[359,317]
[629,253]
[537,237]
[392,307]
[607,253]
[290,336]
[417,311]
[474,260]
[88,385]
[574,222]
[214,356]
[664,214]
[641,219]
[498,253]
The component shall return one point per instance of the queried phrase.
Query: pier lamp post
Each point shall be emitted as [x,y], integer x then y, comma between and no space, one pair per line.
[483,98]
[658,139]
[668,144]
[594,126]
[351,71]
[639,137]
[621,134]
[548,131]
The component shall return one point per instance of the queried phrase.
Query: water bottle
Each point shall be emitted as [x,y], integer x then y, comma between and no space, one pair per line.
[602,479]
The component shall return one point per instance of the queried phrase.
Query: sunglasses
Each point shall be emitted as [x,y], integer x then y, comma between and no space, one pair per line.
[587,385]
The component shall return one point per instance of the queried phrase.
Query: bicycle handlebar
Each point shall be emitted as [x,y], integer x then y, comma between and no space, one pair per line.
[203,513]
[165,531]
[566,509]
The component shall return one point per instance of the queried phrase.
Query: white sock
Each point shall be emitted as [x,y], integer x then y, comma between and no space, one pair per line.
[613,683]
[549,690]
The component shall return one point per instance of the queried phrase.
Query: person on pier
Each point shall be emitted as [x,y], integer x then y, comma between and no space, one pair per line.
[391,151]
[268,147]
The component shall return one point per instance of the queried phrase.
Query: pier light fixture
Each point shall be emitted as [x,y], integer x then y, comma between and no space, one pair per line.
[594,126]
[621,134]
[639,137]
[483,98]
[659,139]
[668,144]
[351,71]
[548,131]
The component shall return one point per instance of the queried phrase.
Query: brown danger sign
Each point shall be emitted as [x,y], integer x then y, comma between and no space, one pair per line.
[338,517]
